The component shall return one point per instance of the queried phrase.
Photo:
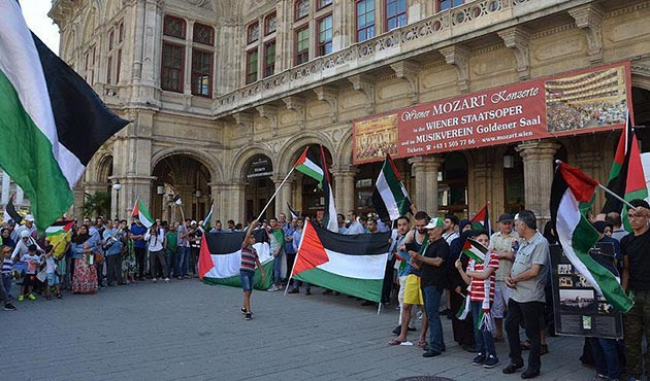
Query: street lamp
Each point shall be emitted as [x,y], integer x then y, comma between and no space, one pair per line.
[117,186]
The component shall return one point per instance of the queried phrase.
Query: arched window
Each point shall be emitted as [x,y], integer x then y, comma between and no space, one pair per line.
[302,9]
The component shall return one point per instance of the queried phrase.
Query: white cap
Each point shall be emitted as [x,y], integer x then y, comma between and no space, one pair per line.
[29,217]
[24,234]
[193,222]
[435,222]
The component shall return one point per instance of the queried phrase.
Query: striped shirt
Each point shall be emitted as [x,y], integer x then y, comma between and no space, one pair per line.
[7,263]
[248,257]
[477,291]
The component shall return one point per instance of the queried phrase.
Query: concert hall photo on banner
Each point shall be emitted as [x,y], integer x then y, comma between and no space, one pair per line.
[579,310]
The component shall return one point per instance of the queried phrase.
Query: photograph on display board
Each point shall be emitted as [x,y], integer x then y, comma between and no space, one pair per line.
[577,300]
[376,137]
[588,100]
[564,269]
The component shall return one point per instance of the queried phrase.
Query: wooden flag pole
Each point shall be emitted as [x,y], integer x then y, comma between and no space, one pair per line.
[276,193]
[619,198]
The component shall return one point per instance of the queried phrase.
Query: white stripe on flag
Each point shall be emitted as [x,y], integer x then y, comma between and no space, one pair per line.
[387,196]
[568,218]
[356,266]
[20,62]
[313,166]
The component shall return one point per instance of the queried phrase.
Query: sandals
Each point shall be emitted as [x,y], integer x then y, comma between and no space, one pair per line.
[423,345]
[395,342]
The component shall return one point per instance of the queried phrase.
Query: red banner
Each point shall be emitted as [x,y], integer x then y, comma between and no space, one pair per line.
[581,102]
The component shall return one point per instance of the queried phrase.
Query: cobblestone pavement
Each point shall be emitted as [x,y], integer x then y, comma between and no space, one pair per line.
[189,331]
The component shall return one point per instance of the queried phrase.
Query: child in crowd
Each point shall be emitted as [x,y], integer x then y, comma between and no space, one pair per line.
[7,264]
[249,260]
[33,259]
[51,269]
[481,278]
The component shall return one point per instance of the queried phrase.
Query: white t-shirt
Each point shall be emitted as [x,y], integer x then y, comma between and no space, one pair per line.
[50,265]
[32,262]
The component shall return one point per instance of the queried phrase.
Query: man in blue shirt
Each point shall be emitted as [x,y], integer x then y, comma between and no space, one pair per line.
[139,245]
[113,247]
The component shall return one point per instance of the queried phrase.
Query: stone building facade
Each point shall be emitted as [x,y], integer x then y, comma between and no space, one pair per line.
[225,95]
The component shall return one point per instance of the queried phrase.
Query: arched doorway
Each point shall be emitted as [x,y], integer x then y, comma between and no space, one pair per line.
[183,176]
[308,197]
[452,186]
[259,187]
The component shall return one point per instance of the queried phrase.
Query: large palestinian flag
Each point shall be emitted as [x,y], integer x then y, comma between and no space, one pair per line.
[316,168]
[141,211]
[220,259]
[390,197]
[351,264]
[52,122]
[571,195]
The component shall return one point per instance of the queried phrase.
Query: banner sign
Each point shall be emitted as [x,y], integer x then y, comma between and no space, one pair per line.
[260,167]
[581,102]
[579,310]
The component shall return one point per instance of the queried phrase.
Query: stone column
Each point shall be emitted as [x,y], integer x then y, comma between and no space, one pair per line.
[344,177]
[538,177]
[284,194]
[425,169]
[590,162]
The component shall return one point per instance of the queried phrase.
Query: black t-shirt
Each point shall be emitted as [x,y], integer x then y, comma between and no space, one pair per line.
[637,249]
[434,275]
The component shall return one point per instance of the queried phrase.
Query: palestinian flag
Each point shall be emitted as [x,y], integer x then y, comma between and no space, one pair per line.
[220,259]
[52,121]
[390,197]
[141,211]
[58,235]
[329,217]
[294,213]
[571,196]
[353,265]
[475,250]
[635,185]
[481,220]
[207,221]
[309,165]
[618,172]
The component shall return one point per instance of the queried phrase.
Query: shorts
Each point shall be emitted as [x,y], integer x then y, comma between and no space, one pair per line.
[501,296]
[412,291]
[247,280]
[53,279]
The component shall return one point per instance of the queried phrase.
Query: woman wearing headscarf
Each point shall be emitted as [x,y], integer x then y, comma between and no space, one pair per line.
[463,329]
[84,279]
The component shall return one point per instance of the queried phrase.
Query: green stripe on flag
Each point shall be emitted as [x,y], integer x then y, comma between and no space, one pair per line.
[235,281]
[310,171]
[26,156]
[368,289]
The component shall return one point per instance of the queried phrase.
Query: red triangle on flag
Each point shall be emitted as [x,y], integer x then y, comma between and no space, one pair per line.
[312,253]
[205,259]
[635,175]
[580,184]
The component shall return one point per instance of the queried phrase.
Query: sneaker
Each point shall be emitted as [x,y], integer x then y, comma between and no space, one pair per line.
[166,280]
[243,311]
[9,307]
[180,278]
[59,296]
[31,297]
[21,298]
[248,316]
[479,359]
[431,353]
[273,288]
[491,362]
[154,280]
[512,367]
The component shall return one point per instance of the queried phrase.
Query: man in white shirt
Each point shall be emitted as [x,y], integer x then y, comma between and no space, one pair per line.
[355,226]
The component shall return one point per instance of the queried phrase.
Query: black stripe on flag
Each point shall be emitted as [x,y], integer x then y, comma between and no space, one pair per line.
[228,243]
[82,120]
[360,244]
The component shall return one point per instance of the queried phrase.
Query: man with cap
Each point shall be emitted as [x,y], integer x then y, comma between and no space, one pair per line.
[432,264]
[501,243]
[636,282]
[29,226]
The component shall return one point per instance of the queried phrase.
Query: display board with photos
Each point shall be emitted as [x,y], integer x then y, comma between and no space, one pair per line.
[579,310]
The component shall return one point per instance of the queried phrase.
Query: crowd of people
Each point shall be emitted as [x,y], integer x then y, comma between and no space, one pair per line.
[428,267]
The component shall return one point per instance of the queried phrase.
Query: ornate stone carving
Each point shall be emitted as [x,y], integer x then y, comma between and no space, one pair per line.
[458,57]
[298,105]
[517,39]
[408,71]
[365,84]
[329,95]
[589,18]
[270,113]
[245,119]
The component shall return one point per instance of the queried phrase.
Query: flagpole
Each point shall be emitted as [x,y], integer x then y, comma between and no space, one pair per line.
[295,260]
[276,192]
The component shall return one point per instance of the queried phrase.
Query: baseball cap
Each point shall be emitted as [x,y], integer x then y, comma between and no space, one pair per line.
[24,234]
[506,217]
[29,217]
[435,222]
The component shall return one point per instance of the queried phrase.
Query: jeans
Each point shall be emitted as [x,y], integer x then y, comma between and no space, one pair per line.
[482,337]
[6,282]
[181,260]
[114,268]
[170,256]
[140,256]
[277,269]
[605,354]
[531,314]
[432,296]
[635,325]
[4,294]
